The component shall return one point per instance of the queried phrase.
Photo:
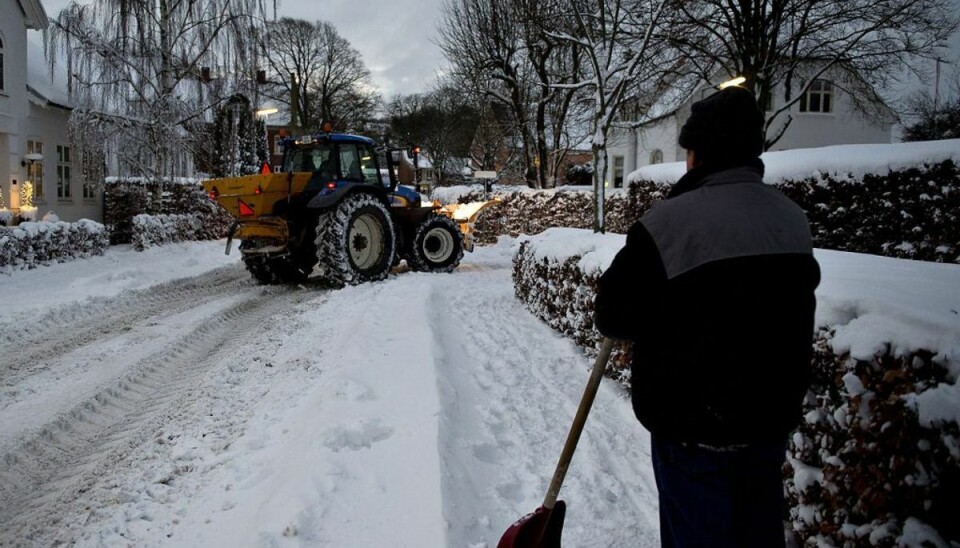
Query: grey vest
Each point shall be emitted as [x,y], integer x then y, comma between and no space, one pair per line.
[732,214]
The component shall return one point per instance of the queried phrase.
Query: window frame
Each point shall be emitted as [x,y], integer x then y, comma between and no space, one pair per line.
[35,169]
[619,171]
[64,167]
[3,80]
[820,92]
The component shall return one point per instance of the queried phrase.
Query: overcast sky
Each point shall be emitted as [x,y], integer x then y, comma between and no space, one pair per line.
[395,37]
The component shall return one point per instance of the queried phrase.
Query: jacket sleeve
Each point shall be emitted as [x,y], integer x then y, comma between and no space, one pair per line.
[630,290]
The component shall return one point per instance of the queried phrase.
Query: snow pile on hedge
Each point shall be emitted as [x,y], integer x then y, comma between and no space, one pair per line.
[125,198]
[150,230]
[848,162]
[527,211]
[896,200]
[877,458]
[30,244]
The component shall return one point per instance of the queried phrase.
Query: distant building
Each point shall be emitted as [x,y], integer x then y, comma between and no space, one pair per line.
[825,115]
[34,115]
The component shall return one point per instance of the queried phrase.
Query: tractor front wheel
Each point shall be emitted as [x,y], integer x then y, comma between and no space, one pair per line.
[355,240]
[437,245]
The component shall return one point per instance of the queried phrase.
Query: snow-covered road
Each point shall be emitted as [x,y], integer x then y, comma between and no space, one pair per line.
[426,410]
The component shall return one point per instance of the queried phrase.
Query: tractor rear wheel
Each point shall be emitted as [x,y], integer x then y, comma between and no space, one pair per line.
[437,245]
[356,241]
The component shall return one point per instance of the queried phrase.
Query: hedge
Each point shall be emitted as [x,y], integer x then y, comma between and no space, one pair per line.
[863,469]
[32,244]
[150,230]
[908,213]
[124,199]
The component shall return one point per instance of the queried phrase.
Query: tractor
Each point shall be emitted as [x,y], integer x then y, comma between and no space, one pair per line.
[340,205]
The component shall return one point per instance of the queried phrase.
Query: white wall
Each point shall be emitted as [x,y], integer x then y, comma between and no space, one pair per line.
[49,125]
[807,130]
[13,99]
[23,119]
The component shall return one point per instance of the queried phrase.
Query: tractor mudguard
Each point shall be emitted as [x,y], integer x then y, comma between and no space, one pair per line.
[328,197]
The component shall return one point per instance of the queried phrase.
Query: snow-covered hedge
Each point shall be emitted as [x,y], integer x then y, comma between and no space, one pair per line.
[526,211]
[895,200]
[877,460]
[29,245]
[911,213]
[150,230]
[126,198]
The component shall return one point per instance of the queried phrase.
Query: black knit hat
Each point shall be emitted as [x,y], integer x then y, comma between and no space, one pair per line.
[726,127]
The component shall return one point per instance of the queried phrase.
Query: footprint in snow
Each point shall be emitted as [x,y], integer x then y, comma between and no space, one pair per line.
[356,437]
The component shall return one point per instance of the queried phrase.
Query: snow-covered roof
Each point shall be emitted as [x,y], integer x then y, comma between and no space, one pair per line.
[45,89]
[34,15]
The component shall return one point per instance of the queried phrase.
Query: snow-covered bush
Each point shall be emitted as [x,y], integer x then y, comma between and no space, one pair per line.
[555,275]
[912,213]
[126,198]
[876,462]
[30,244]
[28,213]
[151,230]
[525,211]
[6,217]
[50,217]
[864,462]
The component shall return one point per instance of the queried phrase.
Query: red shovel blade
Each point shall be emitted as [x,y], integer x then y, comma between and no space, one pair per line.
[540,529]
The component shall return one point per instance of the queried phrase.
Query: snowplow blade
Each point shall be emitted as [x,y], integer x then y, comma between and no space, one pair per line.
[465,215]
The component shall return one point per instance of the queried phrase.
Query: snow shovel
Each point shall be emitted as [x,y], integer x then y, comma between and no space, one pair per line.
[542,527]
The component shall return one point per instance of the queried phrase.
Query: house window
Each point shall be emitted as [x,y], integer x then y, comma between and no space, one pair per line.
[35,169]
[63,173]
[656,157]
[819,98]
[617,171]
[1,64]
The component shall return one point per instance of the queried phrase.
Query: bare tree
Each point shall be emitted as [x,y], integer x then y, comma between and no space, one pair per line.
[787,44]
[442,121]
[627,57]
[135,66]
[500,47]
[318,74]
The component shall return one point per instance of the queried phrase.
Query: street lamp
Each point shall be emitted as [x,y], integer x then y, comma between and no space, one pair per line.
[732,82]
[264,113]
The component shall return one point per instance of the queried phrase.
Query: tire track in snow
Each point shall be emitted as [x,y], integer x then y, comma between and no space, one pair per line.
[509,387]
[67,328]
[51,476]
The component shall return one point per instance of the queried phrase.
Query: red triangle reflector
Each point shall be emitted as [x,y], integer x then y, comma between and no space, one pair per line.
[245,210]
[265,169]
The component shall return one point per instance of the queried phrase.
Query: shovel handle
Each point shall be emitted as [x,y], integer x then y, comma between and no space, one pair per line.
[573,437]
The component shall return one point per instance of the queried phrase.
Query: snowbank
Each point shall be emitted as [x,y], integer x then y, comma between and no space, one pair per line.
[845,160]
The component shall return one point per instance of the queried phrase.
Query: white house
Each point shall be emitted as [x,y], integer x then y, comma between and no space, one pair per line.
[824,116]
[34,112]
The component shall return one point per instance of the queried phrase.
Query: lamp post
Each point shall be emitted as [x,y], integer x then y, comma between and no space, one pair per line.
[265,113]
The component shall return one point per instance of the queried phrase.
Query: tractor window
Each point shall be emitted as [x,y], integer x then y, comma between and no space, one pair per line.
[368,165]
[350,163]
[309,160]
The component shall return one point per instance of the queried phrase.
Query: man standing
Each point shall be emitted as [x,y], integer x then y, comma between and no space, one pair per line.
[715,287]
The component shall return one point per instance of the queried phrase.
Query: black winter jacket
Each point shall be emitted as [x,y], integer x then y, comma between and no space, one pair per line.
[715,286]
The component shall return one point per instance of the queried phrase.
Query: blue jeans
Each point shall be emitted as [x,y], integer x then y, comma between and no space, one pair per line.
[719,498]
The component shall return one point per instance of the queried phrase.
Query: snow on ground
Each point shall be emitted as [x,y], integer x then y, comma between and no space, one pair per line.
[425,410]
[29,292]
